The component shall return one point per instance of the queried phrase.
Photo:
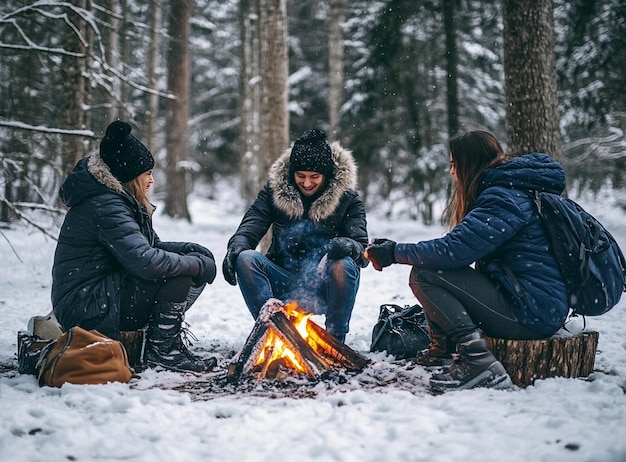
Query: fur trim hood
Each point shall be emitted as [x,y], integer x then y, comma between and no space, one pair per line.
[286,194]
[101,172]
[91,177]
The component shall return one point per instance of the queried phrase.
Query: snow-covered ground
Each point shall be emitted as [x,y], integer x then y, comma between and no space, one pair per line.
[386,413]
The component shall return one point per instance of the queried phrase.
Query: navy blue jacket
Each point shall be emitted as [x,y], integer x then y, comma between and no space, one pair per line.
[105,237]
[503,227]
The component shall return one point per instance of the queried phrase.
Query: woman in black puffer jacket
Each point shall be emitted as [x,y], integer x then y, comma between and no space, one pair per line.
[111,272]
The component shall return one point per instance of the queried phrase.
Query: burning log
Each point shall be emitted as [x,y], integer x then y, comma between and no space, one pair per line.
[284,337]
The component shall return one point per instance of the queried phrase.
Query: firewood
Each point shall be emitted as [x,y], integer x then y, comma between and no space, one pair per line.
[290,335]
[327,345]
[315,355]
[253,344]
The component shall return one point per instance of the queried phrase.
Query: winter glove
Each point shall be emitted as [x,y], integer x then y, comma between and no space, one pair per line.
[189,247]
[184,248]
[229,265]
[381,253]
[207,269]
[340,247]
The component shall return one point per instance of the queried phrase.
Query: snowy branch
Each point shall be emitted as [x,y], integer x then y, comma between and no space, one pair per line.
[43,129]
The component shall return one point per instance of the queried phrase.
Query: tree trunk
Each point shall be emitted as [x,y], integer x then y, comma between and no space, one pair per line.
[452,98]
[335,66]
[124,100]
[250,165]
[177,109]
[153,62]
[274,90]
[75,88]
[532,119]
[113,58]
[530,360]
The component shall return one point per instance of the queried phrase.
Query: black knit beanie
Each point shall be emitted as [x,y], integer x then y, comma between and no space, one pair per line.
[311,153]
[125,155]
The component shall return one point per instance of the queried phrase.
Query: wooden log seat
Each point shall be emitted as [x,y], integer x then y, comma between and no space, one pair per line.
[133,341]
[529,360]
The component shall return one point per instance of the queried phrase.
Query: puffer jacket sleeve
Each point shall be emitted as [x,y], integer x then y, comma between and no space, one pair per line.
[121,234]
[355,227]
[255,222]
[496,217]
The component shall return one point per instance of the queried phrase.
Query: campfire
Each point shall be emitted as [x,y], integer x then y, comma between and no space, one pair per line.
[284,341]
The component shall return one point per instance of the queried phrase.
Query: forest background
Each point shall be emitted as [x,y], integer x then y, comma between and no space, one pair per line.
[218,88]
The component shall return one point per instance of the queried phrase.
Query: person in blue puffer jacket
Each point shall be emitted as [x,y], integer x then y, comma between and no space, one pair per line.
[461,278]
[111,271]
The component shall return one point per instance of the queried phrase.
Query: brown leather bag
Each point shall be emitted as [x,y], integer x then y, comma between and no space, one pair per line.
[80,356]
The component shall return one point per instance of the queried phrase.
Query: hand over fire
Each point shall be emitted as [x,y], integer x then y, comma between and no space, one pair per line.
[381,252]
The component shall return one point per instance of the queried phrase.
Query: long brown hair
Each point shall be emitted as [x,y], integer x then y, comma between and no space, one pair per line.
[472,153]
[134,187]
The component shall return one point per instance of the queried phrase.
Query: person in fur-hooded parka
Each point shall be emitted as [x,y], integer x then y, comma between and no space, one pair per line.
[319,232]
[111,271]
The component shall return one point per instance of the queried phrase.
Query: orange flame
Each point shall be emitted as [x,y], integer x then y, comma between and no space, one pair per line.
[274,348]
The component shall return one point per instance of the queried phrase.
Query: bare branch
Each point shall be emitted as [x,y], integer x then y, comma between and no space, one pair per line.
[11,245]
[21,216]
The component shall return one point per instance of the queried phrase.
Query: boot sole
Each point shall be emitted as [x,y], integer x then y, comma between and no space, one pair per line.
[486,379]
[153,364]
[436,365]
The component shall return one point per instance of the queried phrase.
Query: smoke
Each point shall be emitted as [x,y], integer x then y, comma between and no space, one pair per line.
[304,250]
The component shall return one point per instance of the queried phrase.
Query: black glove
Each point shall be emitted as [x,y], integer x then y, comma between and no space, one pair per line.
[207,269]
[229,265]
[184,248]
[190,247]
[340,247]
[381,253]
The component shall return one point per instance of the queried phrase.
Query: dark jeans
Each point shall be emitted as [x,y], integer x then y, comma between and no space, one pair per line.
[331,290]
[457,302]
[138,297]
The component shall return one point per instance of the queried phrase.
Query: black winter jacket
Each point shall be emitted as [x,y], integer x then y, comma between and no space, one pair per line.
[106,236]
[300,233]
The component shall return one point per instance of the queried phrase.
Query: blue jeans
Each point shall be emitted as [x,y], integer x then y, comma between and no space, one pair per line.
[330,290]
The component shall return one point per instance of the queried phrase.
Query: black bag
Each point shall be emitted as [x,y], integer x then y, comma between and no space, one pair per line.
[401,332]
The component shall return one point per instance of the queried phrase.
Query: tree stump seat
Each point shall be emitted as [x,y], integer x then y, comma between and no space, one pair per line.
[558,356]
[133,341]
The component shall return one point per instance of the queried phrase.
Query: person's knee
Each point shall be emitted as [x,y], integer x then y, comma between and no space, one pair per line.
[419,279]
[344,268]
[248,259]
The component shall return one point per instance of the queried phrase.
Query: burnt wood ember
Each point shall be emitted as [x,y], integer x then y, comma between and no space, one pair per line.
[313,354]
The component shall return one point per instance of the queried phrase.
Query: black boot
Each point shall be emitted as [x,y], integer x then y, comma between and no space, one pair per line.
[165,346]
[475,366]
[438,353]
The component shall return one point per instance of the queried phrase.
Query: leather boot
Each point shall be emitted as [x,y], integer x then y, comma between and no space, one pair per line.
[475,366]
[165,346]
[438,353]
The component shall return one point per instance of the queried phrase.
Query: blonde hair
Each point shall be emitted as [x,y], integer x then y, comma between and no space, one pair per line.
[135,188]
